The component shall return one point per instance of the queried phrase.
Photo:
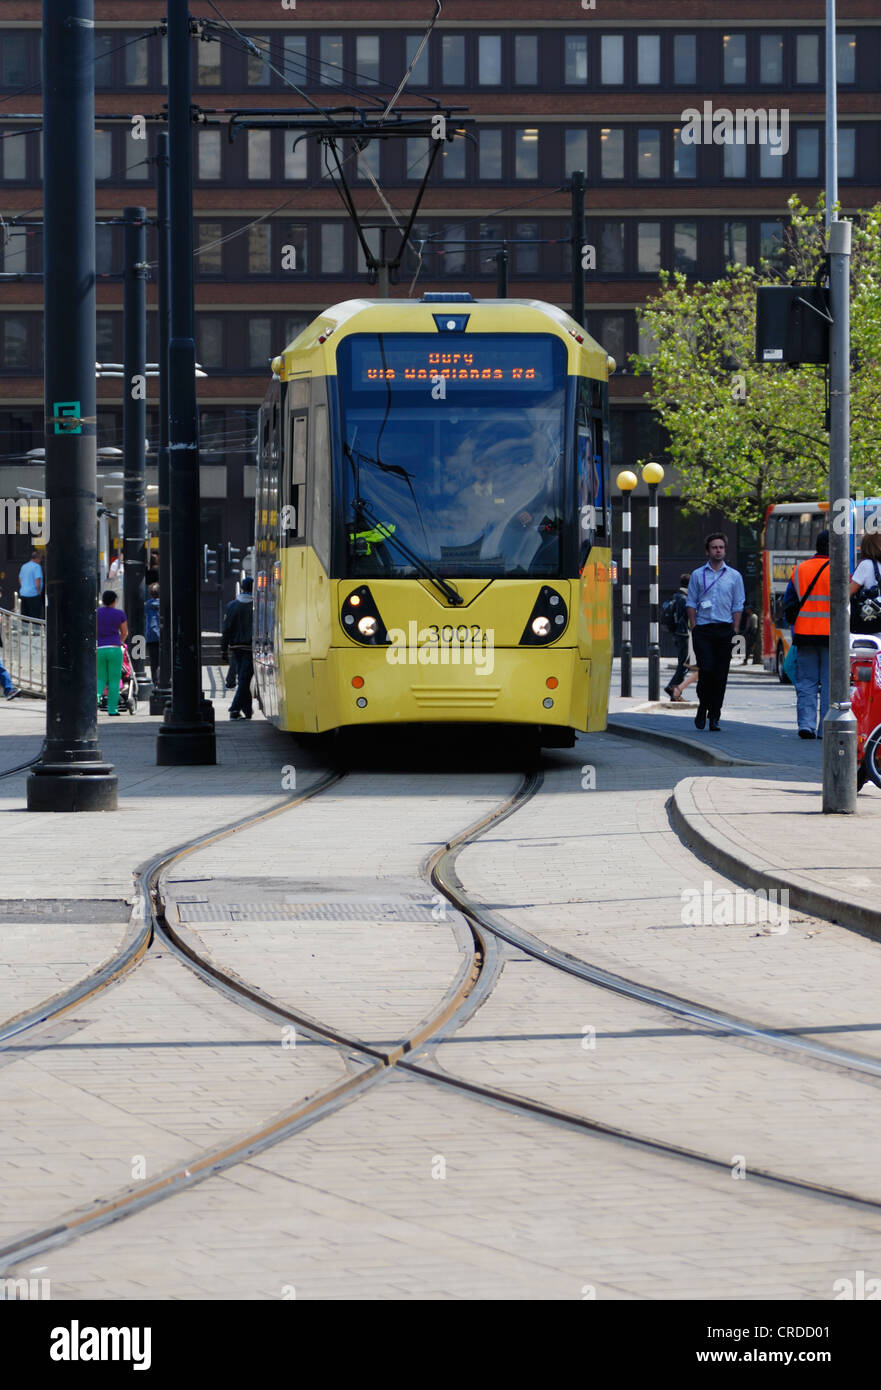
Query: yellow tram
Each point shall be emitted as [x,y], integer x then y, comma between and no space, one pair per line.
[433,522]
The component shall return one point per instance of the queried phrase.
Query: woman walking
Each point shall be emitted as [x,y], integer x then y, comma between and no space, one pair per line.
[112,632]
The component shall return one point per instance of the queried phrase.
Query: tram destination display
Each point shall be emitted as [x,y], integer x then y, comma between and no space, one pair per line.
[473,360]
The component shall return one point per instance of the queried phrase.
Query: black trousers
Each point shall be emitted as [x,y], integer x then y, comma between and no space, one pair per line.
[712,652]
[242,701]
[682,657]
[32,607]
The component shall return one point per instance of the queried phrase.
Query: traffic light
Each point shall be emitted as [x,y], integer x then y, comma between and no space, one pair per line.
[233,558]
[209,565]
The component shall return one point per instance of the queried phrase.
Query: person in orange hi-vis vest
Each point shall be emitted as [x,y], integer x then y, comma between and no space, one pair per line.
[810,633]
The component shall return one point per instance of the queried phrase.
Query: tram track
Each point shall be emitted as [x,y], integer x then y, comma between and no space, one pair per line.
[475,980]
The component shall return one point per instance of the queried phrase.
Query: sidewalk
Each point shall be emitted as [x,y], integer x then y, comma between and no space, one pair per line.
[762,822]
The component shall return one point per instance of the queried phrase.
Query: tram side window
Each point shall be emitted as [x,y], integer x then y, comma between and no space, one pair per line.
[321,471]
[295,527]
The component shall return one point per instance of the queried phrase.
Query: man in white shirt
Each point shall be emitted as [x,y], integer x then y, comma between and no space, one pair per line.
[715,605]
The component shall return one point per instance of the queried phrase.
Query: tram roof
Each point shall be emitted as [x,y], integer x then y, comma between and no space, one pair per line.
[320,337]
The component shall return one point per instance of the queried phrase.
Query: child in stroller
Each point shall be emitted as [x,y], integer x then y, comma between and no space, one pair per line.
[128,686]
[865,702]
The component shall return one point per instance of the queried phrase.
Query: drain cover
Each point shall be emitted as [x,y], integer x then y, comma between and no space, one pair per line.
[328,911]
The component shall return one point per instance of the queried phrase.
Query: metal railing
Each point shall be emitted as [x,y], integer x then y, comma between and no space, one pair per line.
[24,651]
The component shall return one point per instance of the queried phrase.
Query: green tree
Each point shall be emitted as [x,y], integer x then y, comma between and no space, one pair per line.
[745,434]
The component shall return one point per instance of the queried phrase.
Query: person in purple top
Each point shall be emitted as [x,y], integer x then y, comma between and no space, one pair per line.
[112,632]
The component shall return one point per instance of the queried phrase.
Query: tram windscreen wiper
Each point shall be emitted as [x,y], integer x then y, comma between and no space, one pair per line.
[360,506]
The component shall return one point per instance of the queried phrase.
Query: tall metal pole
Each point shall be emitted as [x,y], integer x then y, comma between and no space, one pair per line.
[134,424]
[839,725]
[831,113]
[187,735]
[626,482]
[502,273]
[162,693]
[652,474]
[71,775]
[577,244]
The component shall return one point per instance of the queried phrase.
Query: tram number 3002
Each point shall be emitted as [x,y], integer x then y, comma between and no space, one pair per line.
[473,635]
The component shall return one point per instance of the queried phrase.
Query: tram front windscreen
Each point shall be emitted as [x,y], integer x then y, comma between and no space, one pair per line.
[453,451]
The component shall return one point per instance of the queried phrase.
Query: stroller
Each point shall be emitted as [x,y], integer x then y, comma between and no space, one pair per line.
[128,686]
[865,701]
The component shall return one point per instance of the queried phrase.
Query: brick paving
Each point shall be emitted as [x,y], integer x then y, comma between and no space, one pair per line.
[355,1206]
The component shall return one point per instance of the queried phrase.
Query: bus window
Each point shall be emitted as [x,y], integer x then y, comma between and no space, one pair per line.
[771,533]
[805,538]
[791,533]
[820,522]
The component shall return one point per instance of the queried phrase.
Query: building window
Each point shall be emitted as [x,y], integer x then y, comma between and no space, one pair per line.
[648,247]
[138,153]
[846,58]
[771,245]
[807,154]
[419,77]
[612,154]
[209,252]
[105,337]
[103,60]
[526,255]
[454,251]
[258,63]
[260,249]
[330,48]
[453,60]
[259,342]
[576,60]
[526,60]
[14,59]
[612,333]
[371,236]
[611,248]
[648,59]
[208,56]
[136,56]
[332,248]
[648,161]
[209,332]
[734,59]
[770,161]
[103,154]
[684,60]
[296,155]
[15,251]
[685,247]
[771,59]
[104,250]
[13,149]
[847,152]
[612,59]
[490,153]
[15,341]
[417,149]
[489,60]
[367,59]
[294,238]
[259,154]
[575,149]
[526,153]
[684,157]
[453,159]
[294,57]
[807,58]
[209,154]
[367,160]
[647,343]
[734,243]
[734,161]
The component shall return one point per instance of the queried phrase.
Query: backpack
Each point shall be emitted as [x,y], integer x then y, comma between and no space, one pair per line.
[865,606]
[672,613]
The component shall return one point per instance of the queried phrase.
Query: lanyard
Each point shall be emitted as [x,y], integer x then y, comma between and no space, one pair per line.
[717,575]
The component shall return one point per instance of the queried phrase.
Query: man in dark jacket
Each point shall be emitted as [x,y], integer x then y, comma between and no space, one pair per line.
[680,635]
[238,628]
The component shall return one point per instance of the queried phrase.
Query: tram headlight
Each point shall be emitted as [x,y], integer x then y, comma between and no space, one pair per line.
[361,620]
[548,619]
